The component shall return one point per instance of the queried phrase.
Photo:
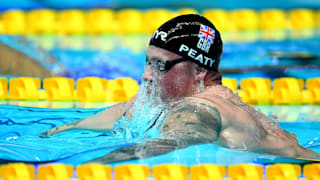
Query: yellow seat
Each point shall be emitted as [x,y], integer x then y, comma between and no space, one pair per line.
[273,19]
[59,88]
[257,90]
[94,172]
[283,171]
[245,171]
[131,172]
[17,171]
[307,97]
[2,30]
[243,95]
[170,172]
[129,86]
[313,85]
[24,88]
[115,91]
[220,18]
[274,24]
[3,88]
[311,171]
[230,83]
[14,22]
[155,18]
[185,11]
[245,19]
[100,21]
[316,95]
[287,91]
[91,89]
[71,22]
[130,21]
[207,172]
[41,21]
[55,171]
[317,18]
[302,19]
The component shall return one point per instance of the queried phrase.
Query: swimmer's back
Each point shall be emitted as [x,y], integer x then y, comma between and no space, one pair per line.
[244,128]
[239,129]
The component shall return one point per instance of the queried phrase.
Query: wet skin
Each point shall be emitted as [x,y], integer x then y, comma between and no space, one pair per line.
[211,118]
[214,115]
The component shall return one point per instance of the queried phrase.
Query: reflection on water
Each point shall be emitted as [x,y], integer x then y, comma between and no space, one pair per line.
[292,113]
[285,113]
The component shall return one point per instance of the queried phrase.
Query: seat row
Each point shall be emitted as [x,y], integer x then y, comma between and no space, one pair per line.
[160,172]
[104,21]
[89,89]
[282,91]
[255,91]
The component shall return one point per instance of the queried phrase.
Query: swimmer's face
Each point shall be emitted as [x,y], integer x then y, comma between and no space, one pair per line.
[171,77]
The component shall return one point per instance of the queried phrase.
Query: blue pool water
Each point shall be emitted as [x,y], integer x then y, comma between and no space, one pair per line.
[88,61]
[105,56]
[113,56]
[20,140]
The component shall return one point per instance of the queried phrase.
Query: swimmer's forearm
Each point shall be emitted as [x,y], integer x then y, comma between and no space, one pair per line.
[102,121]
[105,119]
[146,149]
[73,125]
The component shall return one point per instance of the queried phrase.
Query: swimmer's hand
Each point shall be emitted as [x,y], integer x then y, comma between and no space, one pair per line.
[65,127]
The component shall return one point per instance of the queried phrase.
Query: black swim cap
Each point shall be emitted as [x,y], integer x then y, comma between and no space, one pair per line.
[193,37]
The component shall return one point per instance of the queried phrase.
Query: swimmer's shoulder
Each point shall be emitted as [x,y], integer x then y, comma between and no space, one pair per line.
[200,107]
[221,97]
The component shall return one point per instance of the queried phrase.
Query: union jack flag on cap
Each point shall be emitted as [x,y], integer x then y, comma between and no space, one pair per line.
[207,33]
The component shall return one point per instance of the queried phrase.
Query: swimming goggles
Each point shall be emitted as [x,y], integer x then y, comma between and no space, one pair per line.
[163,66]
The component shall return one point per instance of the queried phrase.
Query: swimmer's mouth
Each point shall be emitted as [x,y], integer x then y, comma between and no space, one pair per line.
[149,89]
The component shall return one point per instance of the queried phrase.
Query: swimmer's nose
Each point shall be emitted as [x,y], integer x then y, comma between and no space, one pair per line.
[148,74]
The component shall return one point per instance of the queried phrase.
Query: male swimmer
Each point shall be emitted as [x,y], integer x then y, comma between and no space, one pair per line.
[182,67]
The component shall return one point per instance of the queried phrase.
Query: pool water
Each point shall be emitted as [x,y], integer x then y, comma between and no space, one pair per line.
[20,140]
[104,56]
[89,61]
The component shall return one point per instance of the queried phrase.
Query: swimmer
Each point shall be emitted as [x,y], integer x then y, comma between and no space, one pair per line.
[182,66]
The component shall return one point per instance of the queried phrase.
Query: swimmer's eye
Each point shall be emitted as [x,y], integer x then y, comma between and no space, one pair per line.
[163,66]
[156,64]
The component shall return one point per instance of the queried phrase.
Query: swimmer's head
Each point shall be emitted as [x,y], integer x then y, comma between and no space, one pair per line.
[183,58]
[193,37]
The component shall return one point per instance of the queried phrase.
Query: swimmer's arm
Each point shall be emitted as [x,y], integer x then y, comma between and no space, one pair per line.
[184,127]
[103,121]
